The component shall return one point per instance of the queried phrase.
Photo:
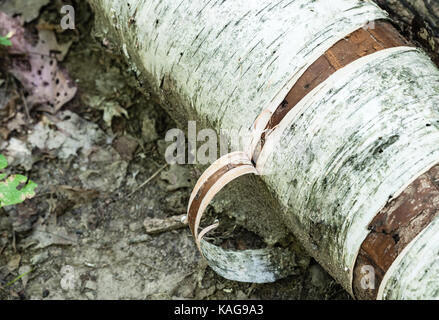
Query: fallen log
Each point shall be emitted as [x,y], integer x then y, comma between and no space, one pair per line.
[419,19]
[344,116]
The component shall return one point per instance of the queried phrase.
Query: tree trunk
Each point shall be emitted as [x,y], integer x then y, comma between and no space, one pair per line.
[351,163]
[417,18]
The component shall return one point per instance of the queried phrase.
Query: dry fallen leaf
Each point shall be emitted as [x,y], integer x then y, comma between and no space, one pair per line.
[35,65]
[28,10]
[25,271]
[45,236]
[78,195]
[177,177]
[125,146]
[17,123]
[72,197]
[66,135]
[111,108]
[14,263]
[23,217]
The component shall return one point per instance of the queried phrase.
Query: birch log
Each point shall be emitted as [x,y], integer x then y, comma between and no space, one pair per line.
[342,155]
[419,17]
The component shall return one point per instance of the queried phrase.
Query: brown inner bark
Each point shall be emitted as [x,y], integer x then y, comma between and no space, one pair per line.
[394,227]
[196,202]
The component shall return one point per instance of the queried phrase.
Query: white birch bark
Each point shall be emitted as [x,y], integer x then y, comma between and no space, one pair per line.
[232,57]
[415,273]
[355,141]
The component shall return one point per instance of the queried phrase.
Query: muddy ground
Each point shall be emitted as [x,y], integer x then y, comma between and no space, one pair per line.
[87,233]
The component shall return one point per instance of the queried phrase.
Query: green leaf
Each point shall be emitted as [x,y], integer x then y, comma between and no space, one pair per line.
[3,162]
[9,192]
[4,41]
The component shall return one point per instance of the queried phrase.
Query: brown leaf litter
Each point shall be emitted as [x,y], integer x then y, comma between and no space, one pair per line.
[35,63]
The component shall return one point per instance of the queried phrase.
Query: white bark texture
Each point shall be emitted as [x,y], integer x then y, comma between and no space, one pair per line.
[415,273]
[354,142]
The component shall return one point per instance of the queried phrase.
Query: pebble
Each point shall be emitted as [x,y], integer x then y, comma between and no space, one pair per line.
[319,277]
[39,258]
[90,295]
[139,239]
[90,285]
[135,226]
[5,224]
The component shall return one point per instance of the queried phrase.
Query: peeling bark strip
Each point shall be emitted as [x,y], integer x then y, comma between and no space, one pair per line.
[258,266]
[360,43]
[395,227]
[222,171]
[360,137]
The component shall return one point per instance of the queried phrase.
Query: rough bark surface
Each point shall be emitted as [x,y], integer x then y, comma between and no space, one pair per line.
[418,18]
[266,265]
[395,227]
[415,273]
[350,145]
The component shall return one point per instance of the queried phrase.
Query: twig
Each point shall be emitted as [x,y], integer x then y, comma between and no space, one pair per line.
[147,180]
[43,194]
[18,278]
[13,241]
[72,241]
[23,98]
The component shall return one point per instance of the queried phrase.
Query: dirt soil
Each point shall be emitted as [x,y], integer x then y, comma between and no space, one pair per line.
[84,235]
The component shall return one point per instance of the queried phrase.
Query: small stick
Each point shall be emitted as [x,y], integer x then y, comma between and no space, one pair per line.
[23,98]
[148,180]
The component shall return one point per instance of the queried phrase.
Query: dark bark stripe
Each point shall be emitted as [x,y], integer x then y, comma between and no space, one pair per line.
[219,174]
[394,227]
[196,202]
[358,44]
